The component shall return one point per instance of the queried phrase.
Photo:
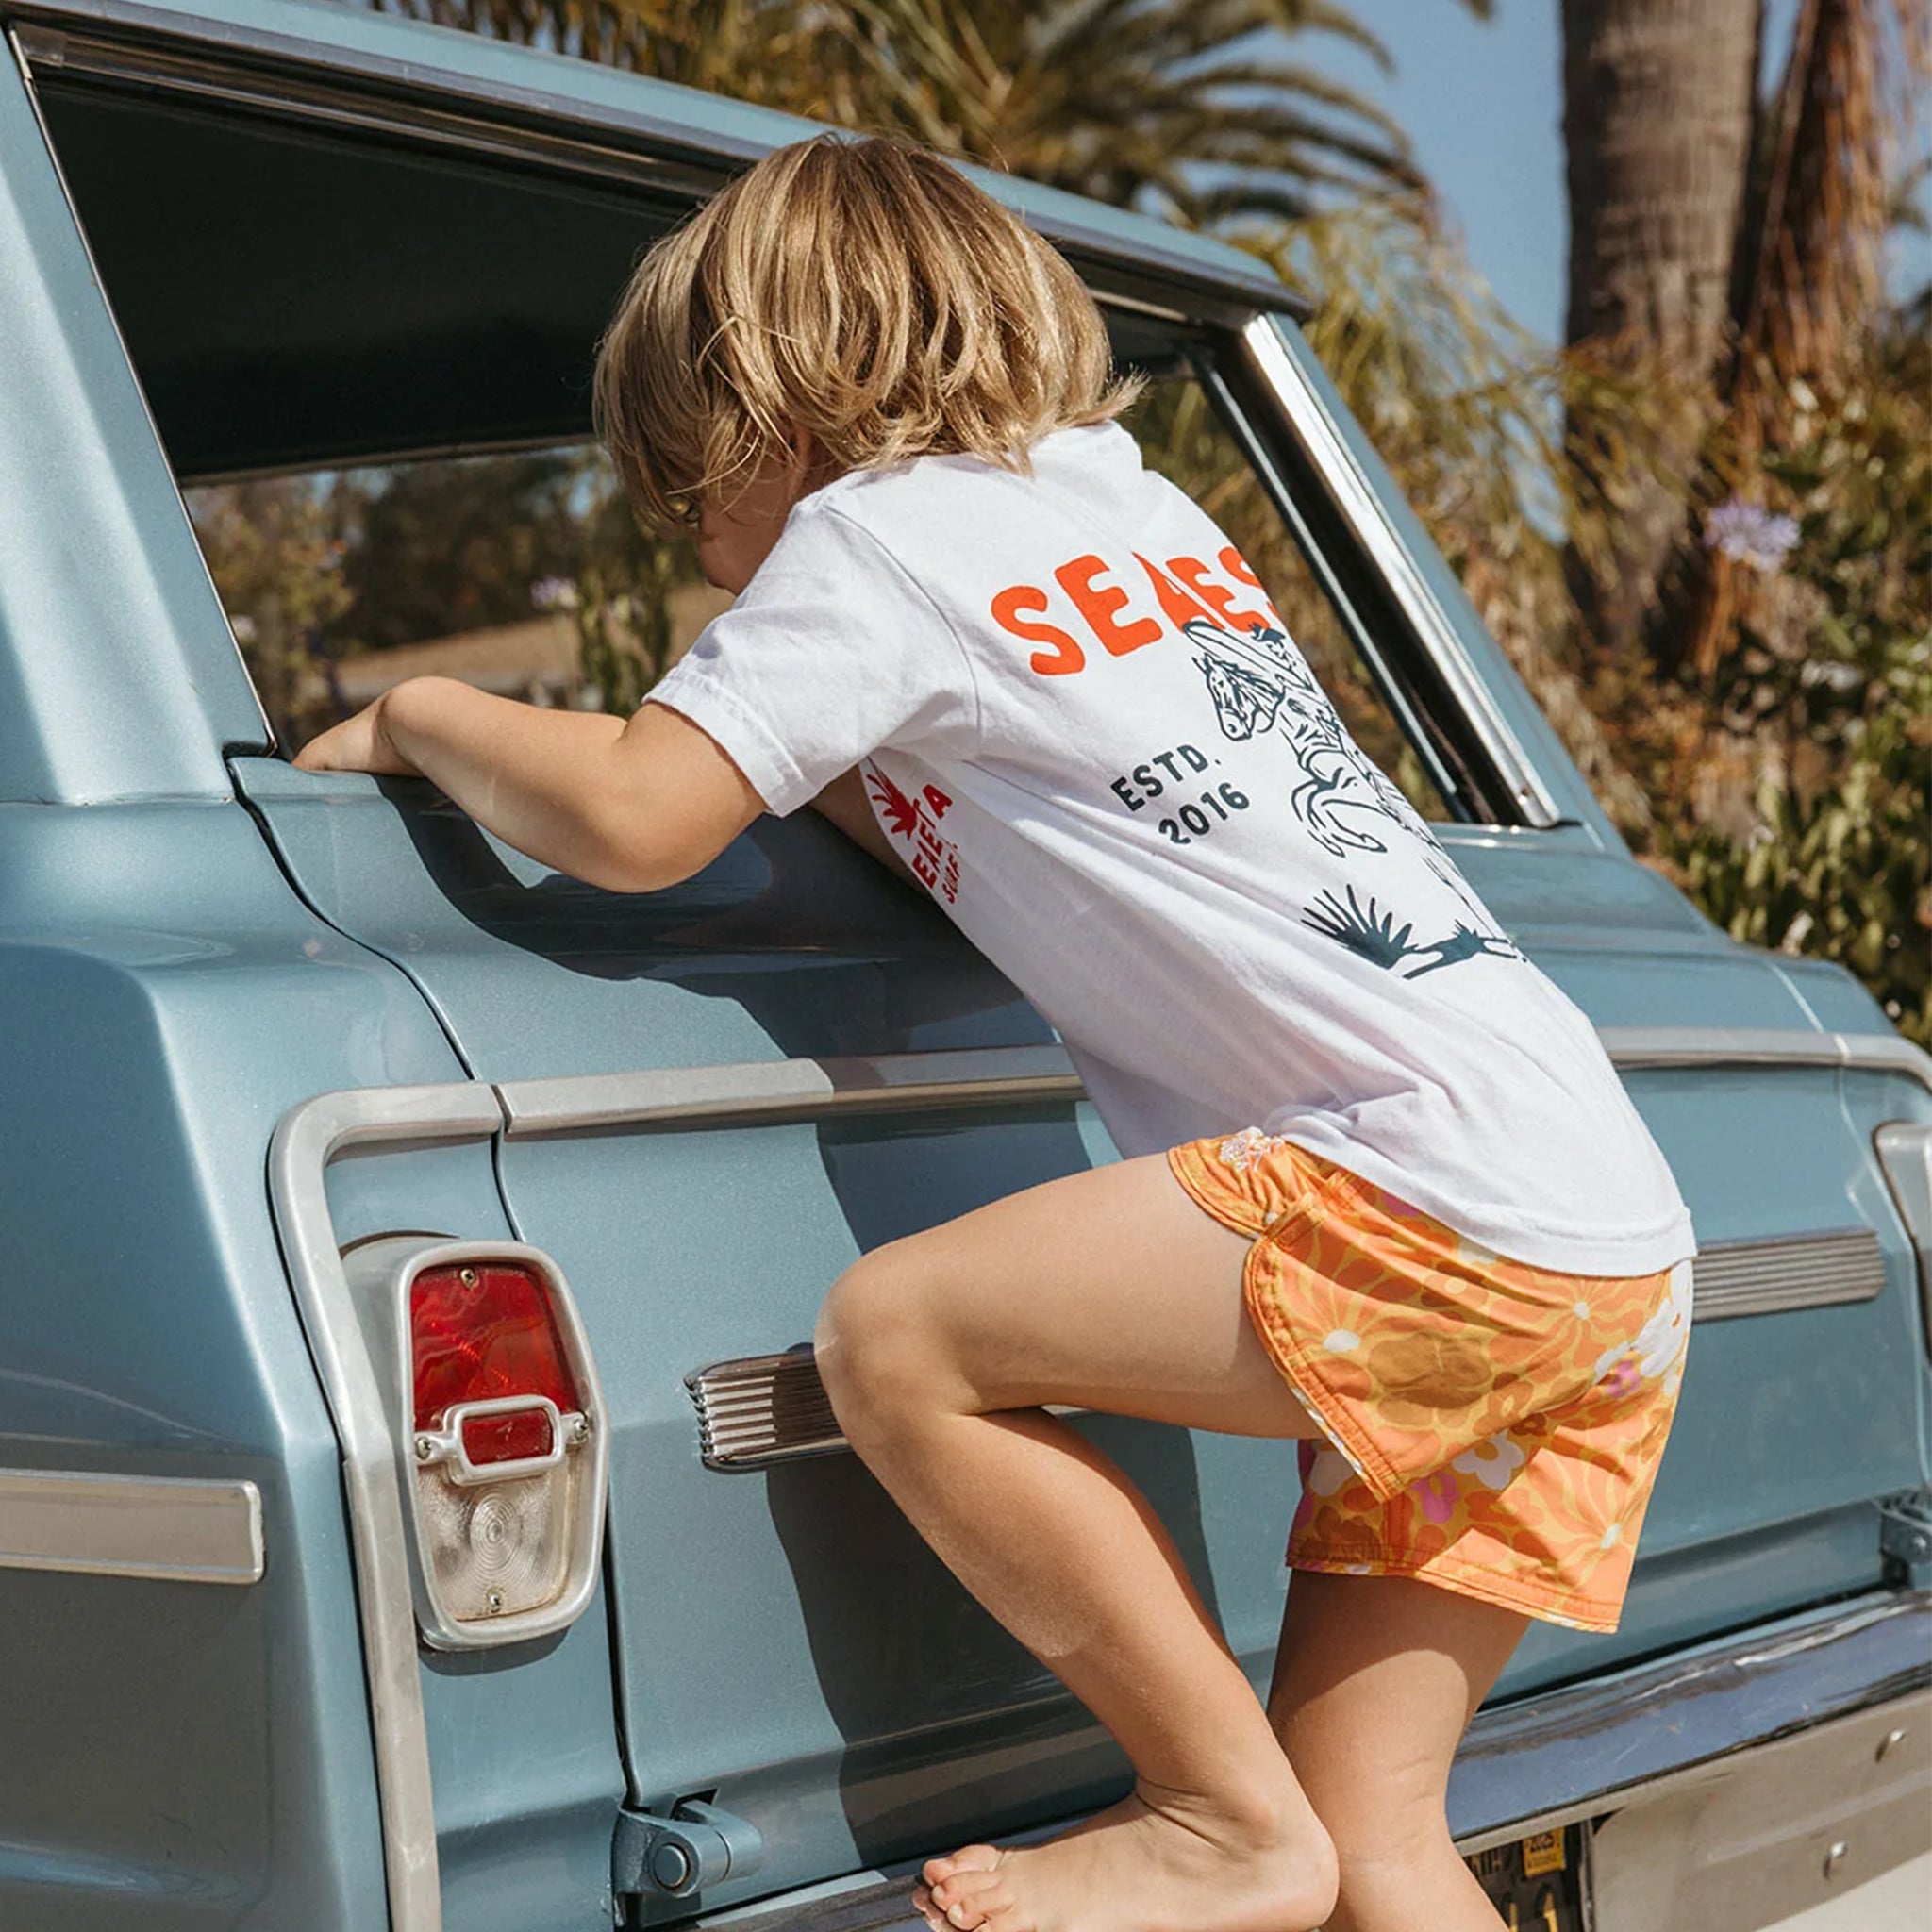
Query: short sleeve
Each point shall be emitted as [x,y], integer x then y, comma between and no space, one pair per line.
[831,652]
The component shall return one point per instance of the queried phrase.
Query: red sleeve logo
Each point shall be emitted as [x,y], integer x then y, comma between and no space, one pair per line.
[914,822]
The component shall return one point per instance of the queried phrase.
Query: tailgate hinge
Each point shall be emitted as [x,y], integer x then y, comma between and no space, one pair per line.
[1904,1538]
[695,1848]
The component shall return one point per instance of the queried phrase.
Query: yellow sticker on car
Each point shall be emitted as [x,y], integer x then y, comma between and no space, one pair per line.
[1542,1851]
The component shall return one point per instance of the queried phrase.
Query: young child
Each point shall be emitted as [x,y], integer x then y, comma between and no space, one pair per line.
[1382,1191]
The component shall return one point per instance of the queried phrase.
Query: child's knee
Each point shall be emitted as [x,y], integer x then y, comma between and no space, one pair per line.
[875,1347]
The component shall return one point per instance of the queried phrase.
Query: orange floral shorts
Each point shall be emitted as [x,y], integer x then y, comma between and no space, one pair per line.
[1492,1428]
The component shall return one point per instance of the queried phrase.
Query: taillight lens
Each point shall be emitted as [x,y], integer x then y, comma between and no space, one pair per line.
[512,1438]
[480,1332]
[500,1422]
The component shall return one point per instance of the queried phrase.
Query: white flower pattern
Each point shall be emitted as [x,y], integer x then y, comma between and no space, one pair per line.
[1244,1150]
[1493,1462]
[1329,1471]
[1662,1342]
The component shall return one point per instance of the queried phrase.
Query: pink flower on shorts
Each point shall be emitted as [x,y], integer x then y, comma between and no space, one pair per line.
[1616,1372]
[1436,1494]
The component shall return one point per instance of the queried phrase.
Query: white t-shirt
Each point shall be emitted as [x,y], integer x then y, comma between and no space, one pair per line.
[1081,723]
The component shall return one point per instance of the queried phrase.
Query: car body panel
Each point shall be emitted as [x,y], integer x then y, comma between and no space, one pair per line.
[858,1666]
[118,676]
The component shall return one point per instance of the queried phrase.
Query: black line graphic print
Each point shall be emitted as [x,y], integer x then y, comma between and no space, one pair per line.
[1261,682]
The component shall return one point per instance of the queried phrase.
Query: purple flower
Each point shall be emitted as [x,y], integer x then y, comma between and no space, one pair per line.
[1749,533]
[554,593]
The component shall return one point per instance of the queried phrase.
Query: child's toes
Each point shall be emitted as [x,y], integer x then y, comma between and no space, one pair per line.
[968,1898]
[955,1882]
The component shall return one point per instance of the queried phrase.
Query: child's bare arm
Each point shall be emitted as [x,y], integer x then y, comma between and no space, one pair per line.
[843,802]
[631,804]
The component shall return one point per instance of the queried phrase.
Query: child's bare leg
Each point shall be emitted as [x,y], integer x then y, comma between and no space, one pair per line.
[1375,1683]
[1110,1290]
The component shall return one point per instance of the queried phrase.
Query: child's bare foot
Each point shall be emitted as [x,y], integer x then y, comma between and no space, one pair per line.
[1155,1862]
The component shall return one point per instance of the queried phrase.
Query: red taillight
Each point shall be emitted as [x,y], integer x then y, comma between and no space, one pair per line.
[480,1332]
[511,1438]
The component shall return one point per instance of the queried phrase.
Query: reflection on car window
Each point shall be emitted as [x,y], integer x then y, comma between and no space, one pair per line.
[1181,436]
[524,575]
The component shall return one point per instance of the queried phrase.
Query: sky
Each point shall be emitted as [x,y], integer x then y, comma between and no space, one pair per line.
[1482,102]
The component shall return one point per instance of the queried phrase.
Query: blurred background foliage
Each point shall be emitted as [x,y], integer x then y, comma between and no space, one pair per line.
[1701,526]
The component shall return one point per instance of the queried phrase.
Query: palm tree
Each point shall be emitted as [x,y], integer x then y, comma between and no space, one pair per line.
[1806,288]
[1725,246]
[1659,106]
[1196,106]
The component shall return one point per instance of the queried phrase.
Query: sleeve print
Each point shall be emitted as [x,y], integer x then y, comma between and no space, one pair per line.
[913,823]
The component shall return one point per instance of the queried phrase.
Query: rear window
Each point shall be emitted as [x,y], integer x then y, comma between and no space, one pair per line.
[370,363]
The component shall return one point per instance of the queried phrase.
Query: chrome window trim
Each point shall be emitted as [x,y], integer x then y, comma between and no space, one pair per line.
[16,40]
[1361,635]
[195,71]
[641,142]
[174,1529]
[315,1131]
[1264,346]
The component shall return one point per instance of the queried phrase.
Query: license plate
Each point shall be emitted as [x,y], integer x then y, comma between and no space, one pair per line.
[1542,1882]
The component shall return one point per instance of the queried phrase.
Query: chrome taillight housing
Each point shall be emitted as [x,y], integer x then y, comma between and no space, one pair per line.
[500,1432]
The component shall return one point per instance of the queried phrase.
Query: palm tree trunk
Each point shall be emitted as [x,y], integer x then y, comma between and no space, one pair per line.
[1659,99]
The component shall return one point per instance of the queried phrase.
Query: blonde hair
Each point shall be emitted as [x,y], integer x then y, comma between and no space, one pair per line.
[862,290]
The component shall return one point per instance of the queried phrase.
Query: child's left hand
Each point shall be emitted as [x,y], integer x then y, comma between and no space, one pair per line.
[631,807]
[357,745]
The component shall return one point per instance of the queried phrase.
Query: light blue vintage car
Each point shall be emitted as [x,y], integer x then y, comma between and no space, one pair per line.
[418,1508]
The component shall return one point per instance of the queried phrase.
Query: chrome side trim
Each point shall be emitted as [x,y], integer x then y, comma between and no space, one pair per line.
[1635,1048]
[1308,421]
[772,1091]
[1592,1748]
[1800,1271]
[176,1529]
[1904,1152]
[762,1410]
[309,1137]
[804,1090]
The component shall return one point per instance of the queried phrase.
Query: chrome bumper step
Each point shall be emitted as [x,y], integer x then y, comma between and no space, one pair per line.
[1579,1751]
